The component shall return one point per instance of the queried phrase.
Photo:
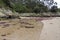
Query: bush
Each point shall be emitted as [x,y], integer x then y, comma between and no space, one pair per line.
[36,9]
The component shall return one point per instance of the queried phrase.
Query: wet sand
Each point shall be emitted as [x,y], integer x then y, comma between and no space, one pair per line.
[51,29]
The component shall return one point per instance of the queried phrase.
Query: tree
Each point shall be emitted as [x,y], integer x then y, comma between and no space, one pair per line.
[54,9]
[31,6]
[36,9]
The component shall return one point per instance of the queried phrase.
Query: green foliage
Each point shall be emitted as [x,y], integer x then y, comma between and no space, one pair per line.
[27,6]
[37,9]
[58,9]
[1,3]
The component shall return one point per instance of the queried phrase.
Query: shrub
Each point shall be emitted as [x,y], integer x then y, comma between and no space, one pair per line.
[36,9]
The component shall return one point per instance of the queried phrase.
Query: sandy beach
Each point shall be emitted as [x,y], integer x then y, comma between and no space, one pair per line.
[51,29]
[20,29]
[30,28]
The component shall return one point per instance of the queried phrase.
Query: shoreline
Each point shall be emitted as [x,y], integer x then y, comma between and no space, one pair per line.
[51,29]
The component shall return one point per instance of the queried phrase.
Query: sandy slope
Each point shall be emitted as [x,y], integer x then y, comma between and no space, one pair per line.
[51,29]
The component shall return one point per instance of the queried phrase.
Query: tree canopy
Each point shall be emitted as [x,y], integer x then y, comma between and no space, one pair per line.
[30,6]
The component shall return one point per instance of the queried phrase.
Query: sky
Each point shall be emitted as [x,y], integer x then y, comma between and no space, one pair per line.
[58,3]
